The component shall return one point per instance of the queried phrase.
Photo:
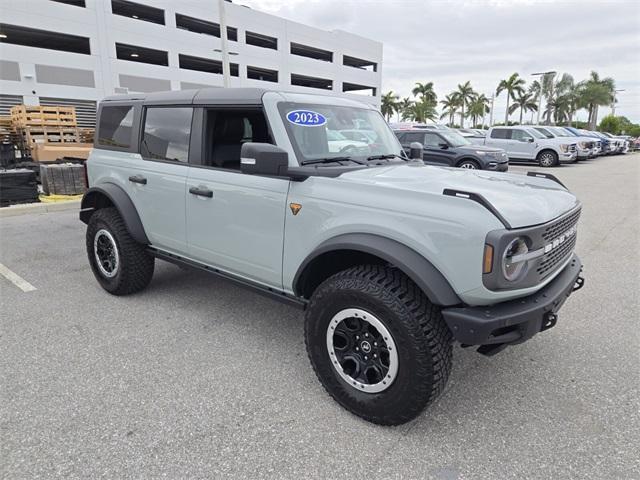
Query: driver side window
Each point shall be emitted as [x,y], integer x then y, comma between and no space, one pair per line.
[432,140]
[519,135]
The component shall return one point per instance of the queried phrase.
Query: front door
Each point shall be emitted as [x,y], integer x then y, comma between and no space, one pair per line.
[521,144]
[235,221]
[436,150]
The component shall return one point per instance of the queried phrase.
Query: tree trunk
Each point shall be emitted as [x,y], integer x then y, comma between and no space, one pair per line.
[462,116]
[521,112]
[506,114]
[595,117]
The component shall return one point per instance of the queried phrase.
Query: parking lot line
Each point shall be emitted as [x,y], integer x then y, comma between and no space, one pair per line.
[16,279]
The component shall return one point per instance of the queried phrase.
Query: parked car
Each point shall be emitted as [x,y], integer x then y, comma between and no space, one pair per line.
[416,125]
[337,142]
[621,143]
[605,144]
[449,148]
[585,146]
[391,260]
[365,136]
[526,144]
[597,141]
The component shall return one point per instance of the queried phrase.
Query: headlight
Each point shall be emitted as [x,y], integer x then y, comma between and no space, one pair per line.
[480,152]
[512,267]
[582,145]
[564,148]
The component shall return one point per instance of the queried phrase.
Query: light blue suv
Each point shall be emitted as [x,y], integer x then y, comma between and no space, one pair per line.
[391,260]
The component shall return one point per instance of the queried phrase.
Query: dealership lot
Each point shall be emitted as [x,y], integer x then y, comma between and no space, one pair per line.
[195,377]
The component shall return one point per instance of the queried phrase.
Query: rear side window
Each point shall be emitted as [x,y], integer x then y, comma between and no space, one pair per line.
[116,126]
[500,133]
[167,131]
[413,137]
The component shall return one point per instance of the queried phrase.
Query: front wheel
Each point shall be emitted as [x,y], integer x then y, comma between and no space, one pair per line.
[120,264]
[547,158]
[377,344]
[469,164]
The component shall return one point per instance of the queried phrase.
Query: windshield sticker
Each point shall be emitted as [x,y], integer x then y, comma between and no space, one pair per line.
[306,118]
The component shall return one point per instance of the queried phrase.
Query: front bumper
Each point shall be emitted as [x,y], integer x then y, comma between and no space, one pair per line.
[498,167]
[568,157]
[515,321]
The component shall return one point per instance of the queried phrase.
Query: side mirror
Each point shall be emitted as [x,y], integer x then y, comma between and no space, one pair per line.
[527,139]
[263,159]
[415,151]
[443,146]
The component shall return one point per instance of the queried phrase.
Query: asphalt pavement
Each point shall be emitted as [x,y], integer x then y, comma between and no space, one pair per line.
[197,378]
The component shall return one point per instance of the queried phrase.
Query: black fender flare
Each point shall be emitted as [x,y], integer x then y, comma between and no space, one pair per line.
[415,266]
[121,201]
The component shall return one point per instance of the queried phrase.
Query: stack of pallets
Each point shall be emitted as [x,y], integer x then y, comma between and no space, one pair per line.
[47,133]
[63,179]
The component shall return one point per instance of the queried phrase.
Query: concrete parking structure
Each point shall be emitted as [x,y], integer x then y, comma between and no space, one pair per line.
[197,378]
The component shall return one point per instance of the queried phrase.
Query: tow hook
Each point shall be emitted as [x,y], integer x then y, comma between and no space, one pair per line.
[579,284]
[548,321]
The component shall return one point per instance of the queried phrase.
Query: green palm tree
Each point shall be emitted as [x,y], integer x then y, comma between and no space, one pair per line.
[535,89]
[426,92]
[548,91]
[450,106]
[421,112]
[466,95]
[388,104]
[478,107]
[403,107]
[524,102]
[512,85]
[595,92]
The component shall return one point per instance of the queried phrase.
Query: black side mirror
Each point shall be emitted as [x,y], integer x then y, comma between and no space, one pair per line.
[443,145]
[527,139]
[415,151]
[263,159]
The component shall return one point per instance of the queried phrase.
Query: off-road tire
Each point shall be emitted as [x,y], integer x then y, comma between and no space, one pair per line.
[135,265]
[422,339]
[547,158]
[469,164]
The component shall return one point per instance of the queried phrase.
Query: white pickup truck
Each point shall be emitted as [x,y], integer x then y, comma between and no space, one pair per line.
[526,144]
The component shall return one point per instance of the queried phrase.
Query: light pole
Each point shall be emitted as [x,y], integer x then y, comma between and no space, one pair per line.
[613,104]
[226,73]
[493,100]
[542,75]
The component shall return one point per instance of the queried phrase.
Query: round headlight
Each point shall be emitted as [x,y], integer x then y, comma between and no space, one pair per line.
[510,269]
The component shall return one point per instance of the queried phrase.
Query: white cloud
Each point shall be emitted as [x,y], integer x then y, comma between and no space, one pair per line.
[485,41]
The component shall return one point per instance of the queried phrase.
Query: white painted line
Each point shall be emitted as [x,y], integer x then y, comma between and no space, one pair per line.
[16,279]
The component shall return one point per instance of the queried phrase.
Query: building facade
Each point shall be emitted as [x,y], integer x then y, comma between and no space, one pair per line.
[75,52]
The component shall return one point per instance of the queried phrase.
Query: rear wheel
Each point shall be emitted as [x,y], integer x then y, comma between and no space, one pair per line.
[377,344]
[547,158]
[120,264]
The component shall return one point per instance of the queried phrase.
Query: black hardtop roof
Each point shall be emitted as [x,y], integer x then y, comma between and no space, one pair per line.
[235,96]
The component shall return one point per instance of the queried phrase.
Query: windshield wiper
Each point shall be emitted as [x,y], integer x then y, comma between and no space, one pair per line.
[331,160]
[388,156]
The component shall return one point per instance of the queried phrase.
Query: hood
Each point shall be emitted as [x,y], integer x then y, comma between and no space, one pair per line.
[523,201]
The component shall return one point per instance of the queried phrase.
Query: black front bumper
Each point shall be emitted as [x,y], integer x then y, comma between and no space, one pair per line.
[508,323]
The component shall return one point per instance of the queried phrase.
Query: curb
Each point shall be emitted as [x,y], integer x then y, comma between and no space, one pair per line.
[26,209]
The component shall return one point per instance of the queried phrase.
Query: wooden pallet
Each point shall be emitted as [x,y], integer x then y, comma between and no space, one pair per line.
[5,121]
[38,115]
[86,135]
[31,135]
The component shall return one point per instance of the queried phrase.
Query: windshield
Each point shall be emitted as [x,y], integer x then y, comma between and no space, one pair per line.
[535,133]
[315,132]
[454,138]
[561,132]
[544,131]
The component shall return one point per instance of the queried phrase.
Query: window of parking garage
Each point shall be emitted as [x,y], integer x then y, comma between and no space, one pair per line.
[196,25]
[31,37]
[263,74]
[361,89]
[134,53]
[76,3]
[259,40]
[137,11]
[206,65]
[311,52]
[359,63]
[311,82]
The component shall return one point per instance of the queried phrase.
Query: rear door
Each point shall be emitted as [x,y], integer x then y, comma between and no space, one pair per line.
[235,222]
[158,176]
[500,138]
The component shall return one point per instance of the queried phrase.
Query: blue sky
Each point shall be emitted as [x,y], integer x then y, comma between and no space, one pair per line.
[450,42]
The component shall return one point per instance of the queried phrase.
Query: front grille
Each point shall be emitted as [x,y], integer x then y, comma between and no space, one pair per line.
[551,260]
[589,144]
[555,256]
[572,147]
[560,226]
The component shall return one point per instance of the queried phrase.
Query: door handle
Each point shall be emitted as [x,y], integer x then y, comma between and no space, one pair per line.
[138,179]
[201,192]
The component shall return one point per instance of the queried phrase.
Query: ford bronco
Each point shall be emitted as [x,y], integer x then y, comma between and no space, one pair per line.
[392,260]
